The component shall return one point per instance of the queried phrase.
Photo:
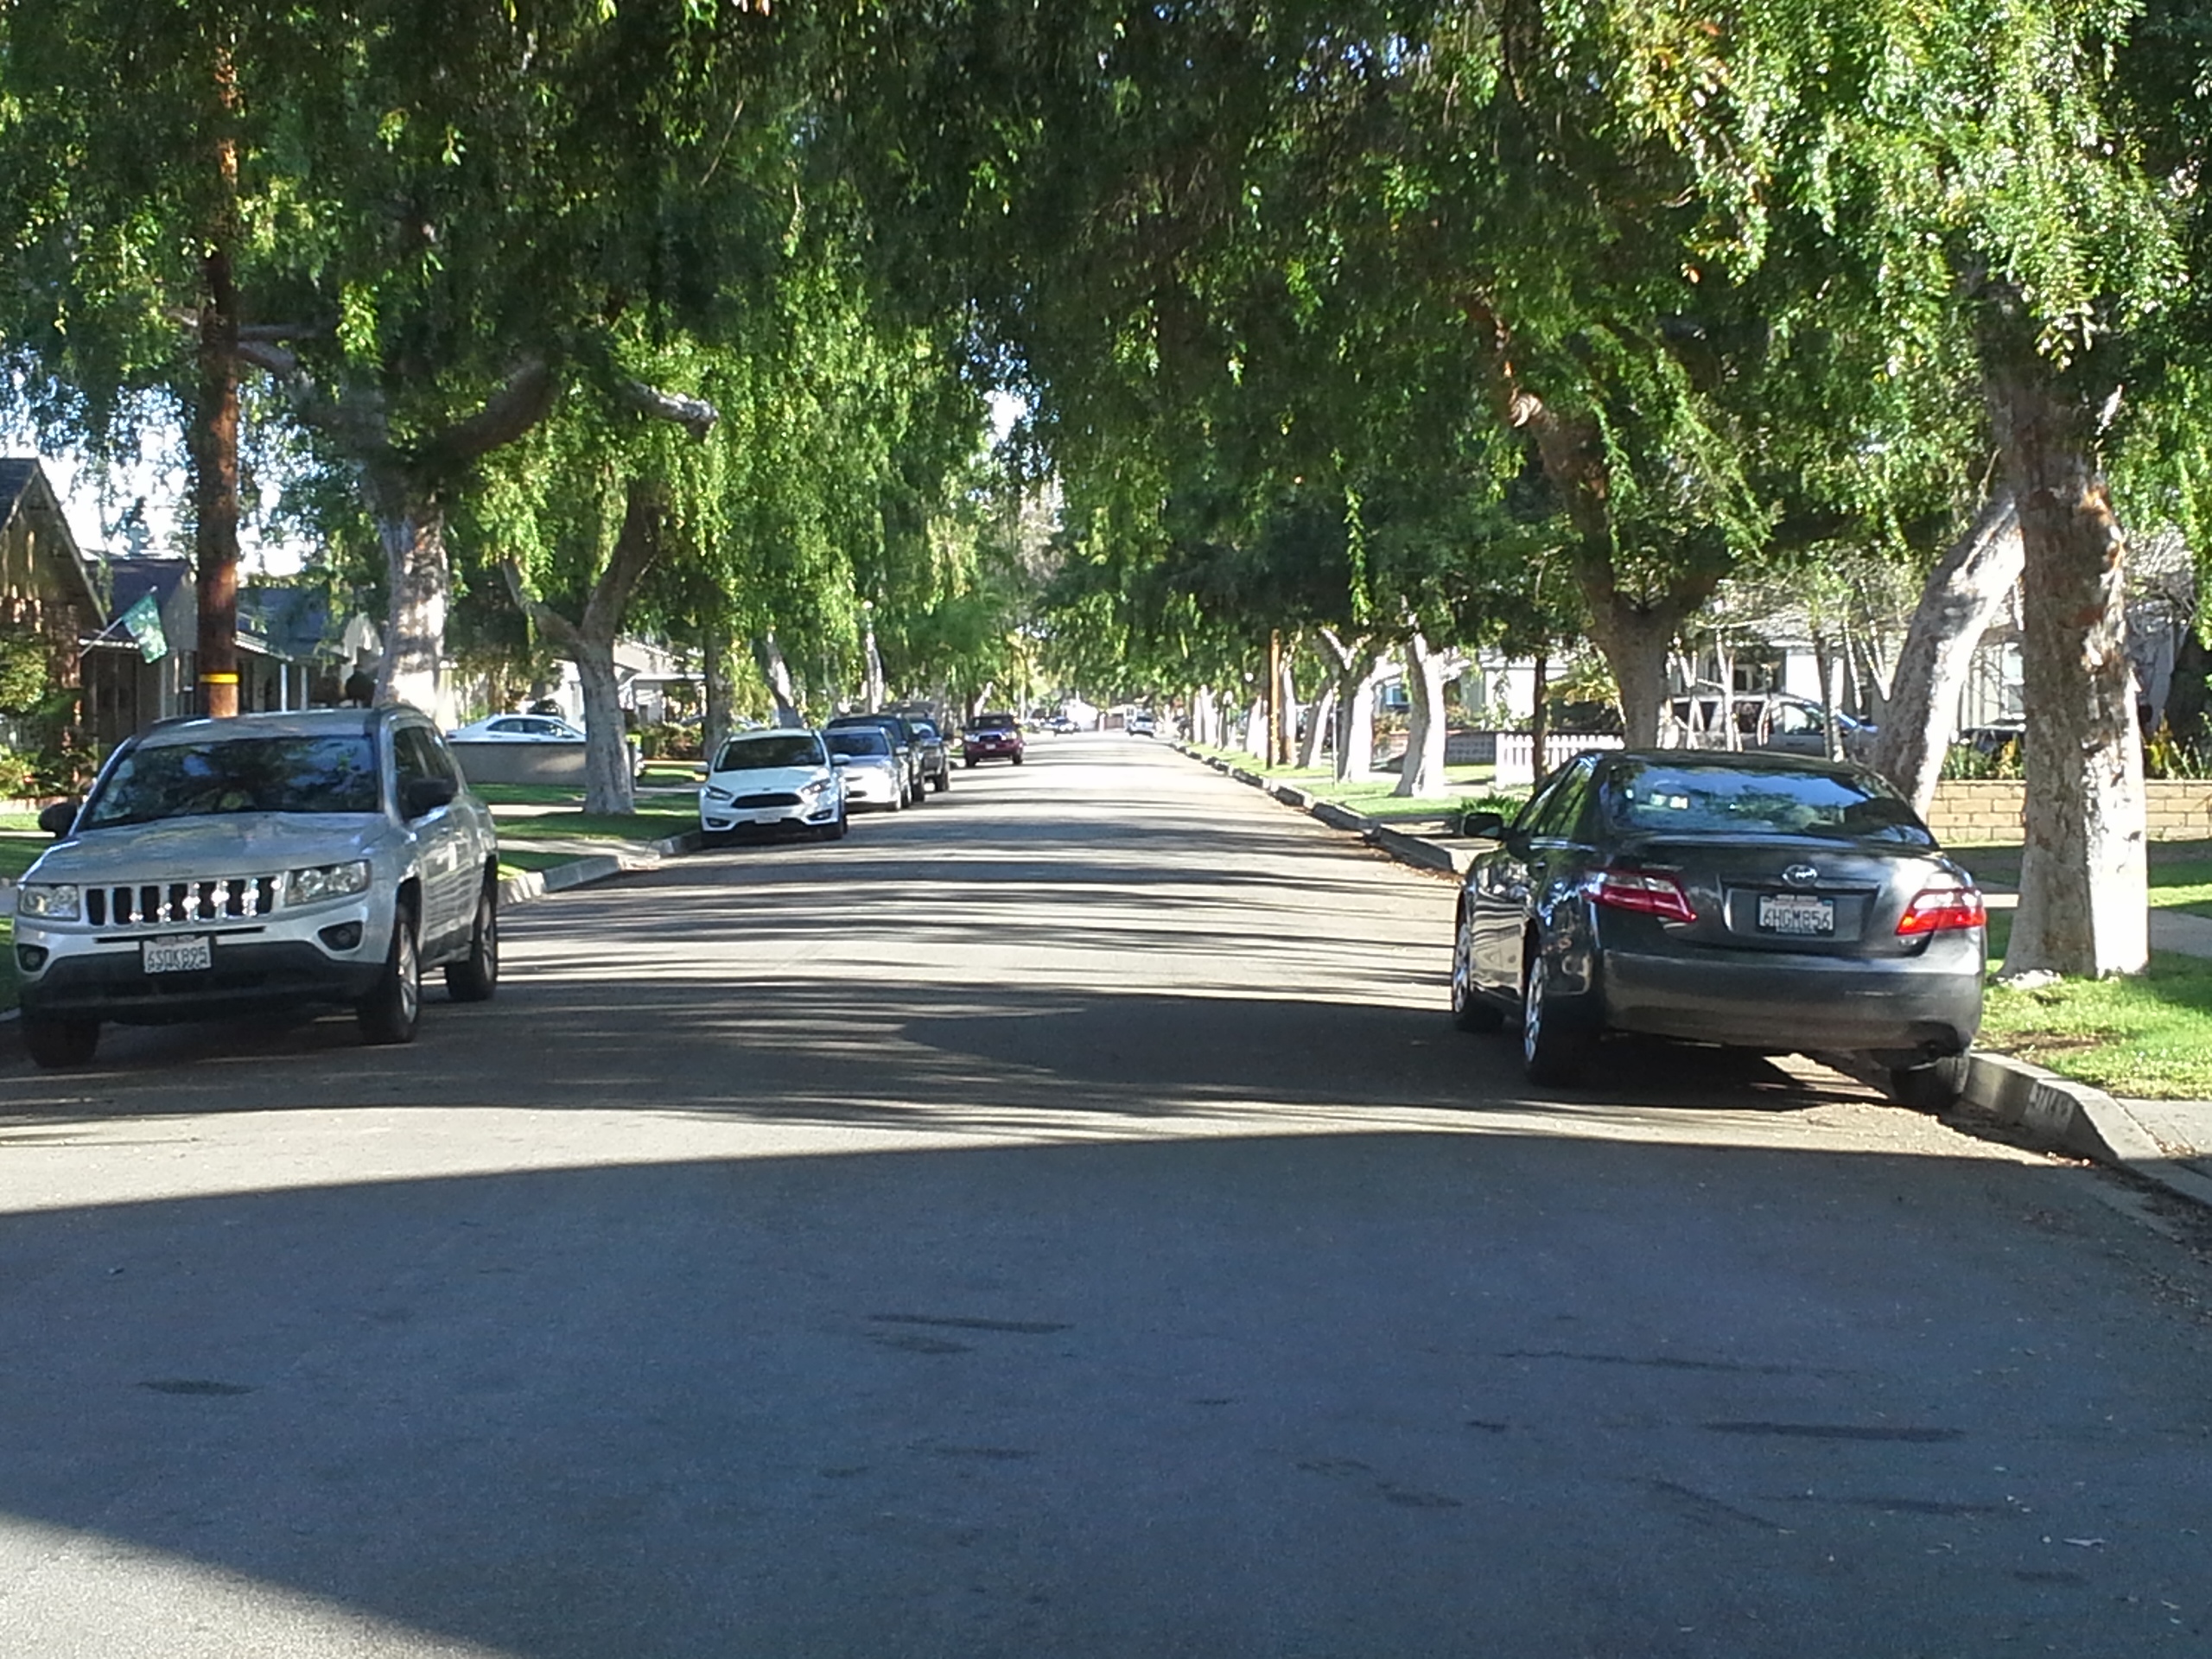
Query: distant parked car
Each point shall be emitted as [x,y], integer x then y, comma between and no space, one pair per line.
[221,866]
[937,762]
[903,740]
[1776,721]
[775,780]
[1063,724]
[874,773]
[1139,724]
[1764,901]
[517,729]
[991,737]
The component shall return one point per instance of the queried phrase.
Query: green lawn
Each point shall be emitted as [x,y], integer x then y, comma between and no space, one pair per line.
[2181,871]
[1470,786]
[2149,1036]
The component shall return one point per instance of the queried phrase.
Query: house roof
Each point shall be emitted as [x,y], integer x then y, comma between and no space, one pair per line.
[24,489]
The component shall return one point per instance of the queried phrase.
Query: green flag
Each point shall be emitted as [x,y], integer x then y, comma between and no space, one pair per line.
[144,620]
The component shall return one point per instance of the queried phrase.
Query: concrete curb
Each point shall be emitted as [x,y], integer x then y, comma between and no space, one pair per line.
[2059,1114]
[598,866]
[1416,850]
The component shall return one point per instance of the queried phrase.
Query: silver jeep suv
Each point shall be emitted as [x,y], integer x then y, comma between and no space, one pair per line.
[220,866]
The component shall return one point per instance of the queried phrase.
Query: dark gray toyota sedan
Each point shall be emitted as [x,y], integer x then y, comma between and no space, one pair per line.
[1762,901]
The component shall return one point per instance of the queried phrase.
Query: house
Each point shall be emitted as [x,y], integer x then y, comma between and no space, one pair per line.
[44,587]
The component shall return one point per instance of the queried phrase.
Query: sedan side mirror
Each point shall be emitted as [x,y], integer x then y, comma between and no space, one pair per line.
[56,820]
[1484,826]
[841,761]
[423,796]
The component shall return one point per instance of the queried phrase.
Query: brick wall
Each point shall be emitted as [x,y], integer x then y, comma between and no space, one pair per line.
[1969,811]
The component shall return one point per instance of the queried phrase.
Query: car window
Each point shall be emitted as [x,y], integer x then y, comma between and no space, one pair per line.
[991,723]
[924,730]
[769,749]
[1704,800]
[412,758]
[510,726]
[857,740]
[1560,813]
[261,774]
[1791,719]
[440,759]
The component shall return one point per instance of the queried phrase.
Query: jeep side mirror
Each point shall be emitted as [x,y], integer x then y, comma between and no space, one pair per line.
[56,820]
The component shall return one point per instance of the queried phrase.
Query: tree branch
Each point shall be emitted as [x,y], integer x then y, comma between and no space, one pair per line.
[548,620]
[526,399]
[694,414]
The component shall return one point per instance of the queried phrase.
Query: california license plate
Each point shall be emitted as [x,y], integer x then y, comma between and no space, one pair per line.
[1796,913]
[193,954]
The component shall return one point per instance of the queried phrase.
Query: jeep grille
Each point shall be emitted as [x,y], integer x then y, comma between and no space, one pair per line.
[166,903]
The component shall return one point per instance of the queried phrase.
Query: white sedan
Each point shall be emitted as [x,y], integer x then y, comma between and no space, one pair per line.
[773,780]
[518,728]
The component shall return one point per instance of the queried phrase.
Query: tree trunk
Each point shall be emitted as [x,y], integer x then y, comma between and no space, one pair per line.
[419,578]
[1354,759]
[1635,640]
[1255,729]
[2083,881]
[775,675]
[1318,728]
[715,718]
[1962,593]
[608,784]
[1286,728]
[1204,715]
[1824,665]
[1540,725]
[1422,772]
[215,487]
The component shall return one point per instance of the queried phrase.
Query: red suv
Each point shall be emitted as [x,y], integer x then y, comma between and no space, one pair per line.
[991,737]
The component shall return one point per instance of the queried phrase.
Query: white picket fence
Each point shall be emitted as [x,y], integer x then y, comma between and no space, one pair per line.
[1516,753]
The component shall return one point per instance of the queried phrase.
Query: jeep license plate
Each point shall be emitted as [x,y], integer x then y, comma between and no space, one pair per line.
[193,954]
[1796,913]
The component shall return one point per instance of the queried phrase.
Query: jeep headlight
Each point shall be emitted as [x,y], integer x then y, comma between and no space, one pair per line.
[327,881]
[51,901]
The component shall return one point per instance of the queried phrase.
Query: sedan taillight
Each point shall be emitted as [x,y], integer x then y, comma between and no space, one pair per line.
[1643,893]
[1938,910]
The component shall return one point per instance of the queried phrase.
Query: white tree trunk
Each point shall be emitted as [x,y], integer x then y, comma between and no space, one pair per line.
[775,675]
[714,724]
[608,786]
[2084,882]
[1963,592]
[420,581]
[1205,718]
[1255,730]
[1354,759]
[1318,728]
[1422,772]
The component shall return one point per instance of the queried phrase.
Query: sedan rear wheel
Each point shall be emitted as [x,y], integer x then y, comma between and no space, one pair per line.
[1470,1012]
[1934,1087]
[1549,1054]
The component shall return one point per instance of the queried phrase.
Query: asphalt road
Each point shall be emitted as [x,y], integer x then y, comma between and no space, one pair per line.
[1059,1220]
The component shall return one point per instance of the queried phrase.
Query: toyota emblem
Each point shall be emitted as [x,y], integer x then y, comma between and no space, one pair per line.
[1800,875]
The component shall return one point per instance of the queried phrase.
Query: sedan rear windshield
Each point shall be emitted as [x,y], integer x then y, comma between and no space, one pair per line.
[256,774]
[1725,800]
[778,749]
[857,740]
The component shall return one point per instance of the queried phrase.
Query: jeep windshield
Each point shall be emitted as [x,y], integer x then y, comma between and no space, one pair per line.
[245,774]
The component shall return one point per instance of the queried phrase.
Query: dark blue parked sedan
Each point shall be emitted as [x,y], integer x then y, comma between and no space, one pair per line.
[1763,901]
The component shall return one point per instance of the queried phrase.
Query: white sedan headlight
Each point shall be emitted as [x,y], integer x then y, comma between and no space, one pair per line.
[714,794]
[55,901]
[327,881]
[815,790]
